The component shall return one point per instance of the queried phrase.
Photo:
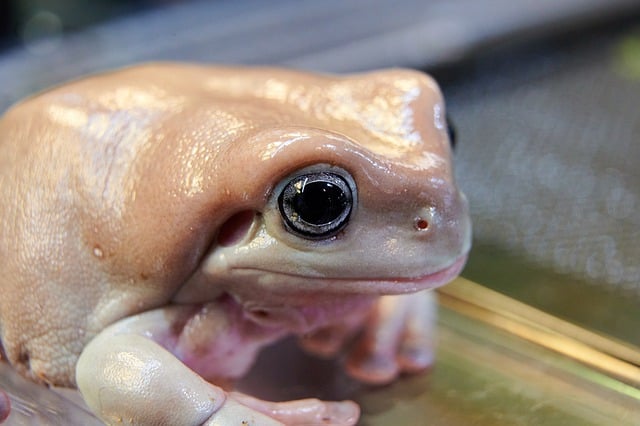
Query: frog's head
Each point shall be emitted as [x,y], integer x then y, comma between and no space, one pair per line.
[354,193]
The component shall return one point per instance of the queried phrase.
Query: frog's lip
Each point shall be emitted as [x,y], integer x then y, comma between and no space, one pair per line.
[390,285]
[438,278]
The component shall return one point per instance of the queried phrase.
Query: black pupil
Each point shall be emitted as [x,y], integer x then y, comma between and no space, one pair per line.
[319,202]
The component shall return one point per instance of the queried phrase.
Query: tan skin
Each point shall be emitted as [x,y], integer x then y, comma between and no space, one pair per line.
[147,253]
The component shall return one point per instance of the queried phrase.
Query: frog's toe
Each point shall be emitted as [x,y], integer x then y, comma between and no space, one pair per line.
[235,413]
[304,411]
[416,349]
[376,368]
[415,355]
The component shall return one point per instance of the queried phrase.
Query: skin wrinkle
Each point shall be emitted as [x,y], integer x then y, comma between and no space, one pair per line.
[363,279]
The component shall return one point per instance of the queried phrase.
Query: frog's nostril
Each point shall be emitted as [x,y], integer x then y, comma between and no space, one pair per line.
[235,228]
[421,224]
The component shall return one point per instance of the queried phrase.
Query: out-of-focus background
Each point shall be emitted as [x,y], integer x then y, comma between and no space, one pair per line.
[545,96]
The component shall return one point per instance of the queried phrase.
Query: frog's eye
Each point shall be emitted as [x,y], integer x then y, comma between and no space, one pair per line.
[317,205]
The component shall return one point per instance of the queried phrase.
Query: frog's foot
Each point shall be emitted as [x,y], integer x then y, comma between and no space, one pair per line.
[5,406]
[304,411]
[398,338]
[245,410]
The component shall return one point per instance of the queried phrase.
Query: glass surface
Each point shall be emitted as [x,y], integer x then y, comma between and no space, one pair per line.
[498,362]
[484,376]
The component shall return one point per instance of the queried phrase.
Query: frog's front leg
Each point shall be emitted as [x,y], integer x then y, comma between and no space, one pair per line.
[149,369]
[397,337]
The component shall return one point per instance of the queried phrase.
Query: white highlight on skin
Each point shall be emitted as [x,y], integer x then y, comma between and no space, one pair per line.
[438,117]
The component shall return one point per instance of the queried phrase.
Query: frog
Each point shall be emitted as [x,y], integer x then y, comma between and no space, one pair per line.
[162,223]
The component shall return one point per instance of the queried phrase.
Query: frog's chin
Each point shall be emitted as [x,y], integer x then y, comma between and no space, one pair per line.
[295,283]
[434,279]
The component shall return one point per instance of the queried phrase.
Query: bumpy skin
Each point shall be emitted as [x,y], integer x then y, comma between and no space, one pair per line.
[144,258]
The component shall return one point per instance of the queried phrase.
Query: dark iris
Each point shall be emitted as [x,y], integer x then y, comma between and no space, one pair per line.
[319,202]
[316,205]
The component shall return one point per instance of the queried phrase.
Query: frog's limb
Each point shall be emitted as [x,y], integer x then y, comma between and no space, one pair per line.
[130,379]
[330,340]
[131,372]
[5,406]
[304,411]
[398,337]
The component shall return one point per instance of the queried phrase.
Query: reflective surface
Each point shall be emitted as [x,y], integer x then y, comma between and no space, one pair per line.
[485,376]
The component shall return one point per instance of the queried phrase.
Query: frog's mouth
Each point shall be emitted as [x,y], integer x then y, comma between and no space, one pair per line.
[434,279]
[362,285]
[301,304]
[273,286]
